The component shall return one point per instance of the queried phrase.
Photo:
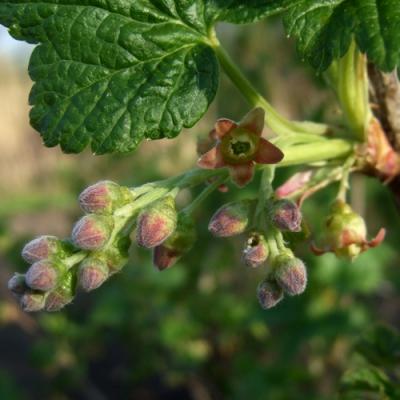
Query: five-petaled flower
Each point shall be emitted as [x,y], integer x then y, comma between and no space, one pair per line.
[239,146]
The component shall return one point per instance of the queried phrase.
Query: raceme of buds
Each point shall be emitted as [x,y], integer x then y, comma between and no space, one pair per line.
[41,248]
[346,234]
[286,215]
[231,219]
[269,293]
[256,251]
[17,284]
[93,272]
[290,274]
[32,301]
[62,295]
[103,197]
[179,243]
[92,231]
[156,223]
[239,146]
[42,275]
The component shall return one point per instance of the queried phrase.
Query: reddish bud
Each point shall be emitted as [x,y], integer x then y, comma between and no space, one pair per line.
[93,272]
[42,275]
[32,302]
[286,215]
[294,184]
[290,274]
[92,232]
[17,284]
[179,243]
[102,198]
[62,295]
[41,248]
[269,294]
[231,219]
[256,251]
[156,223]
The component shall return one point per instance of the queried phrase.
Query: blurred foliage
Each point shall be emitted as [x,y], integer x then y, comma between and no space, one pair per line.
[196,331]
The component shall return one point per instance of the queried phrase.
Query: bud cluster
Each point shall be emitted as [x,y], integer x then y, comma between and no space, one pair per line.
[287,273]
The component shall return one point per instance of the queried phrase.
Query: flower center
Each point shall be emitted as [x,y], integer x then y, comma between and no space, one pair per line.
[239,146]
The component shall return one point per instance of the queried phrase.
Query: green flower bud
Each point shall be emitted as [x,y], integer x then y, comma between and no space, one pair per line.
[92,232]
[269,293]
[290,274]
[62,295]
[17,284]
[179,243]
[156,223]
[117,255]
[41,248]
[42,275]
[93,272]
[286,215]
[103,197]
[32,302]
[346,233]
[231,219]
[256,251]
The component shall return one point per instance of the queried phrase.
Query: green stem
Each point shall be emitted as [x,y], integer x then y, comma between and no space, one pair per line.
[202,196]
[279,124]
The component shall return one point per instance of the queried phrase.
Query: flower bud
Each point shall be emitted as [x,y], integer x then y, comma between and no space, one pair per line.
[62,295]
[290,274]
[179,243]
[346,233]
[17,284]
[93,272]
[231,219]
[269,293]
[92,232]
[42,275]
[32,302]
[256,251]
[103,197]
[156,223]
[41,248]
[286,215]
[117,256]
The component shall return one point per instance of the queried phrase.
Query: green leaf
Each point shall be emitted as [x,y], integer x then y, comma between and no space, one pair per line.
[324,29]
[111,73]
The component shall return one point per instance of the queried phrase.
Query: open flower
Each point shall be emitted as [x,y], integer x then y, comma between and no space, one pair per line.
[239,146]
[346,234]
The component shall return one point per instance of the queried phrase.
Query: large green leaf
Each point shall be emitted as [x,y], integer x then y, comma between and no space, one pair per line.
[113,72]
[324,28]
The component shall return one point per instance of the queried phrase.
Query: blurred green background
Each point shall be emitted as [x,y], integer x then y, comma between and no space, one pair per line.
[195,331]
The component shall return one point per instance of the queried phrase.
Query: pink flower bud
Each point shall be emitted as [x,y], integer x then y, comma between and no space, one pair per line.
[17,284]
[256,251]
[42,275]
[92,232]
[41,248]
[62,295]
[179,243]
[290,274]
[269,294]
[102,198]
[32,302]
[93,272]
[156,223]
[286,215]
[231,219]
[294,184]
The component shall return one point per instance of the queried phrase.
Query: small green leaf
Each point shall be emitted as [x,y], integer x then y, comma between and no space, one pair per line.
[112,73]
[323,30]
